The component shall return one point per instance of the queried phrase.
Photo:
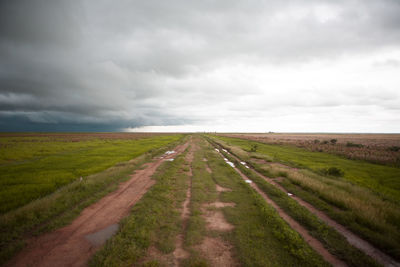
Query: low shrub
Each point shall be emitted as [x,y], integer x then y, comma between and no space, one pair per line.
[254,148]
[332,171]
[394,148]
[350,144]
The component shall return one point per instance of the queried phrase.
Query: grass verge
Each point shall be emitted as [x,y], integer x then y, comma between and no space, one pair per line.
[383,180]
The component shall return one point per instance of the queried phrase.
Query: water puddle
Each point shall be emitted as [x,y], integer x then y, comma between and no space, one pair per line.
[100,237]
[231,164]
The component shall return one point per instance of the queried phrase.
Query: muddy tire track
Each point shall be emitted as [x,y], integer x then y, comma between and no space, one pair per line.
[74,244]
[180,253]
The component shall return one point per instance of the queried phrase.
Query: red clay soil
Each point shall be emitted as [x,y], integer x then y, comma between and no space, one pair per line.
[353,239]
[217,252]
[208,169]
[215,220]
[222,189]
[74,244]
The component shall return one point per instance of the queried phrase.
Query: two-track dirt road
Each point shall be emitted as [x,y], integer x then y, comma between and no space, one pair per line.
[351,237]
[73,245]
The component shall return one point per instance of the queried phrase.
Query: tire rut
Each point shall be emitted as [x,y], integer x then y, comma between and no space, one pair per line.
[180,253]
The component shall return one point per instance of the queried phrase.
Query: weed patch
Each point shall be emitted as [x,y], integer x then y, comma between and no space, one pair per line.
[332,171]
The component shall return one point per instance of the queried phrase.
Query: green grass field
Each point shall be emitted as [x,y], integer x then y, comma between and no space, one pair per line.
[32,167]
[259,236]
[383,180]
[62,206]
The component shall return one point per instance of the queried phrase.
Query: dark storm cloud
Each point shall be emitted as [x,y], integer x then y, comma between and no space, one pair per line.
[40,22]
[117,64]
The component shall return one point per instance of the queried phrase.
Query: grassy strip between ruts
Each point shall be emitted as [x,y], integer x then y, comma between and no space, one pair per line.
[380,179]
[203,191]
[154,220]
[331,239]
[261,237]
[62,206]
[359,209]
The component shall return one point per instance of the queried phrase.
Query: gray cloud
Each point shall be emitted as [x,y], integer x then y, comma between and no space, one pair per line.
[135,63]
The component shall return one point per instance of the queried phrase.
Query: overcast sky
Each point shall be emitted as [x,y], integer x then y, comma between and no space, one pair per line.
[248,66]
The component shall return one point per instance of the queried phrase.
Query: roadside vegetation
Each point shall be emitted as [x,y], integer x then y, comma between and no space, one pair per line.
[62,206]
[364,212]
[35,166]
[383,180]
[376,148]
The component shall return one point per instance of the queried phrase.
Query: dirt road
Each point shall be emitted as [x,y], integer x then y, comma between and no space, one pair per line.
[74,244]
